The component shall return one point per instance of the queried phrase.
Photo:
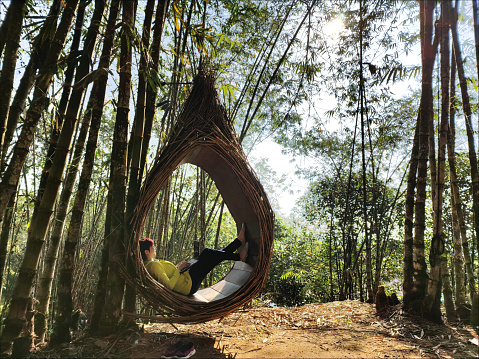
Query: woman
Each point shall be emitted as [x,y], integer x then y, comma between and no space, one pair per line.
[189,281]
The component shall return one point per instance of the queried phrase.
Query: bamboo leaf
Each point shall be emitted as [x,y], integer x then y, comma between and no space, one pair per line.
[220,40]
[177,24]
[474,83]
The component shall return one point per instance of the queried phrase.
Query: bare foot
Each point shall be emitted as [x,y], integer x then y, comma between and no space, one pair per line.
[244,253]
[241,234]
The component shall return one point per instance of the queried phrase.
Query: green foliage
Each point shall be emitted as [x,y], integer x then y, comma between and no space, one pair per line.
[327,263]
[297,269]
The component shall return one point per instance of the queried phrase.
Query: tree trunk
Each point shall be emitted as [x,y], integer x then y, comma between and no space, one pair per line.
[201,193]
[475,15]
[438,242]
[5,235]
[165,219]
[76,262]
[56,171]
[469,129]
[37,59]
[100,293]
[217,236]
[367,235]
[408,266]
[65,305]
[21,148]
[330,244]
[462,230]
[4,30]
[17,312]
[16,12]
[428,53]
[151,92]
[136,142]
[46,277]
[447,291]
[40,224]
[111,314]
[57,126]
[460,290]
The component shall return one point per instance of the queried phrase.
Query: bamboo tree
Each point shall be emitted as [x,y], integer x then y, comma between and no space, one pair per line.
[455,188]
[174,95]
[151,91]
[45,279]
[44,210]
[18,105]
[469,129]
[475,14]
[459,278]
[4,236]
[217,235]
[151,94]
[16,318]
[4,30]
[58,120]
[16,12]
[111,313]
[330,244]
[347,231]
[135,144]
[75,284]
[164,219]
[46,276]
[461,243]
[67,262]
[201,195]
[249,119]
[447,291]
[428,54]
[367,236]
[95,109]
[38,54]
[33,114]
[438,242]
[40,223]
[460,290]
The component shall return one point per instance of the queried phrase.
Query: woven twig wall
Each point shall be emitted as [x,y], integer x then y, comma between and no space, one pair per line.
[202,124]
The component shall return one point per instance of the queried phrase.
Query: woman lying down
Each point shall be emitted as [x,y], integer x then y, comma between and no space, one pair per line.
[186,278]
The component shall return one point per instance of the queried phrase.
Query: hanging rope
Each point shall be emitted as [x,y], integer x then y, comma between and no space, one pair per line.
[203,136]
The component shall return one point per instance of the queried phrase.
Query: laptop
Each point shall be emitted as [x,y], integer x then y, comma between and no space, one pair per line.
[191,262]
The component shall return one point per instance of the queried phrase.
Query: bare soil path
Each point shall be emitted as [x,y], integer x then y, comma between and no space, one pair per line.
[347,329]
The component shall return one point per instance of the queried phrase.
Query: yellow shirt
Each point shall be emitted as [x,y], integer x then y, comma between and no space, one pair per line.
[167,274]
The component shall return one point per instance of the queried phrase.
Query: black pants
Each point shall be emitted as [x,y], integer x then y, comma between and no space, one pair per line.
[210,258]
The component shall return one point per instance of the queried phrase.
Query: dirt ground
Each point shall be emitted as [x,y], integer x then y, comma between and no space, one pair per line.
[347,329]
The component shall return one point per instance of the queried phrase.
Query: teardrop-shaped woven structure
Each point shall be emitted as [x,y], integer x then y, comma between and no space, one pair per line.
[203,136]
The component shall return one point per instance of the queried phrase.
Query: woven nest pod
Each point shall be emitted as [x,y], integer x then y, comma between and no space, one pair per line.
[203,136]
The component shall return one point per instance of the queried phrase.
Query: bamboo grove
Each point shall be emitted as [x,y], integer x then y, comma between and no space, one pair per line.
[91,89]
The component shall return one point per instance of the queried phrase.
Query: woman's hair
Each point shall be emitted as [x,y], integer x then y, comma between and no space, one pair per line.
[145,245]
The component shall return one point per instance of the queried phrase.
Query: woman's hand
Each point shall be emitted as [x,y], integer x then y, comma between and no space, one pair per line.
[181,265]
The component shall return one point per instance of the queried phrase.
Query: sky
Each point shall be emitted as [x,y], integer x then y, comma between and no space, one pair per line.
[283,165]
